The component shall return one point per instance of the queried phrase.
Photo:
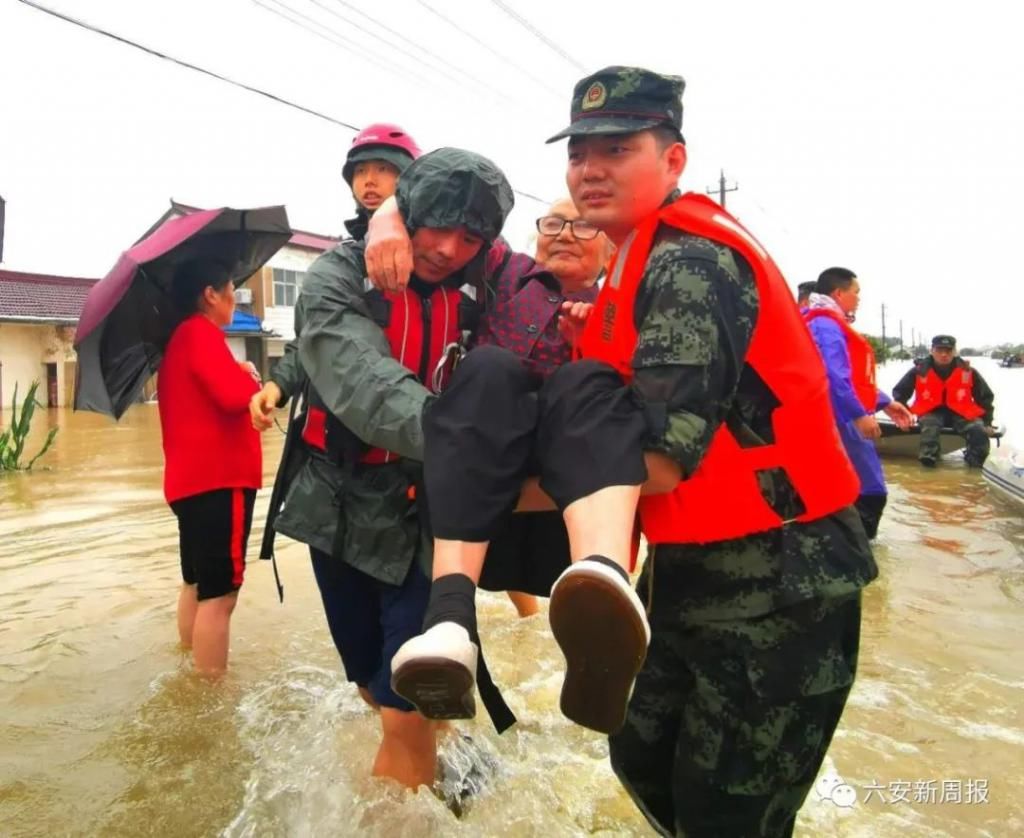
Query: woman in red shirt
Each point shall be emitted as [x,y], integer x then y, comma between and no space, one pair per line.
[212,458]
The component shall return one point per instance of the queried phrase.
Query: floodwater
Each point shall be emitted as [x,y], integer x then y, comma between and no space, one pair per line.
[105,731]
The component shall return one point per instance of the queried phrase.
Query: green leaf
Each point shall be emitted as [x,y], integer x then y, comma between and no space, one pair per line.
[44,449]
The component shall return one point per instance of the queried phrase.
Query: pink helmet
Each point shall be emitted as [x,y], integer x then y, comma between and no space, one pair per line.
[380,141]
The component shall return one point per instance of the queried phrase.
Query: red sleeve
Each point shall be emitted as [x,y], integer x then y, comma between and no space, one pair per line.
[218,373]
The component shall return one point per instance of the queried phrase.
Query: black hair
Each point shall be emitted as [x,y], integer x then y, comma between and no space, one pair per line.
[192,278]
[664,136]
[832,279]
[805,289]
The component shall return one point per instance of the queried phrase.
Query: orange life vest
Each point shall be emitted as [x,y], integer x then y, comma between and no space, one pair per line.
[862,359]
[722,499]
[418,329]
[956,393]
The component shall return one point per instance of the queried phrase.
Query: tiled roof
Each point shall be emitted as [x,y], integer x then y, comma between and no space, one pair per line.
[313,241]
[25,296]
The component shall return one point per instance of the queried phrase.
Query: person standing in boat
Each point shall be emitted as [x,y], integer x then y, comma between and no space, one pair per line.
[850,363]
[948,393]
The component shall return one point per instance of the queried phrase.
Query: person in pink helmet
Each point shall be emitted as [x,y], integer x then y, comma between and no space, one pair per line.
[378,155]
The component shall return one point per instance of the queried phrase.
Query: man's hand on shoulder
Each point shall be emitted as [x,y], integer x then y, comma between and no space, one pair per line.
[388,249]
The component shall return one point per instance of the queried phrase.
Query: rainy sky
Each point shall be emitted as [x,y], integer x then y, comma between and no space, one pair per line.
[885,137]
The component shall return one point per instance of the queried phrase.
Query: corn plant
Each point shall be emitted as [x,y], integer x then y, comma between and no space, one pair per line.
[12,440]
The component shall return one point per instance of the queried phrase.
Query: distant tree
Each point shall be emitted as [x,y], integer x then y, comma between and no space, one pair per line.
[881,350]
[969,352]
[1005,349]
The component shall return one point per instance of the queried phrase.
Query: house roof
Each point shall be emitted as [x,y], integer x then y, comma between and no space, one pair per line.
[300,238]
[313,241]
[41,298]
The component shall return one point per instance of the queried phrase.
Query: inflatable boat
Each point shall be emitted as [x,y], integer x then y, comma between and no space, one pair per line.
[897,443]
[1004,469]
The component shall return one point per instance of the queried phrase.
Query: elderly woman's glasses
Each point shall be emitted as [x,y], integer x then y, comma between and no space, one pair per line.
[552,225]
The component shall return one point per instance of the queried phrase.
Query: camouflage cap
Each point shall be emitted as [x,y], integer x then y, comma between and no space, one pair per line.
[621,100]
[943,342]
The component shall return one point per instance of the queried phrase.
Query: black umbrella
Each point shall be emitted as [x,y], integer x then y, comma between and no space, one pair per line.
[129,315]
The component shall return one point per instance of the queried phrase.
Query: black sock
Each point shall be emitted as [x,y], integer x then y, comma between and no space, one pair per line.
[611,564]
[452,599]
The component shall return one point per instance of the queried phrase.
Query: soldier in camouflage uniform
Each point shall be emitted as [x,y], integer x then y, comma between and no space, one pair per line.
[754,639]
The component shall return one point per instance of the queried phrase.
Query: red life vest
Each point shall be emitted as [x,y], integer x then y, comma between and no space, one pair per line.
[418,329]
[862,359]
[956,393]
[722,499]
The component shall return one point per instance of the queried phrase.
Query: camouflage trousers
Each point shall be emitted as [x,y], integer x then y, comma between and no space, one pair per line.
[730,720]
[973,432]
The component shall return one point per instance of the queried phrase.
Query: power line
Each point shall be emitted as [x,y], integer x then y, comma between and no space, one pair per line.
[529,27]
[186,64]
[273,97]
[338,39]
[432,55]
[490,49]
[401,71]
[385,41]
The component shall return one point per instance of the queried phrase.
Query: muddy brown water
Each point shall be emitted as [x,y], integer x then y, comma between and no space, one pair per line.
[104,730]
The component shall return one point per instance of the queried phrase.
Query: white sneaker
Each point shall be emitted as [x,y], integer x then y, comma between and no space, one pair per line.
[600,625]
[436,671]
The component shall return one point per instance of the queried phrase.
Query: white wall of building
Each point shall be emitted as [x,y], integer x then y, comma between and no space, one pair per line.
[281,319]
[293,258]
[25,349]
[237,347]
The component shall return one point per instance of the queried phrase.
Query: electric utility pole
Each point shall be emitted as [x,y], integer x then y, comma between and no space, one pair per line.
[721,188]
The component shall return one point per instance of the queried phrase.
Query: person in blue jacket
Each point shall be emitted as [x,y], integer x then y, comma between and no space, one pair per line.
[850,363]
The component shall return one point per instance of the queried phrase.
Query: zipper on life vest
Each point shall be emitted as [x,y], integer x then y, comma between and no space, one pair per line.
[425,349]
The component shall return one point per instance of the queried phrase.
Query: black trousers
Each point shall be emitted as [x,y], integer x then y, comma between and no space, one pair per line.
[497,424]
[870,508]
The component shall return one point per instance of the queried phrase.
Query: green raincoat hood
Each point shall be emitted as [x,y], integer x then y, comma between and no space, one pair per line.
[451,187]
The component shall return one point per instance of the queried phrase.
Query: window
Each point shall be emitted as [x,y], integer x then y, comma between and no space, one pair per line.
[286,286]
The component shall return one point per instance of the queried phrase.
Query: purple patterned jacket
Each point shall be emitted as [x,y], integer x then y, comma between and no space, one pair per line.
[521,309]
